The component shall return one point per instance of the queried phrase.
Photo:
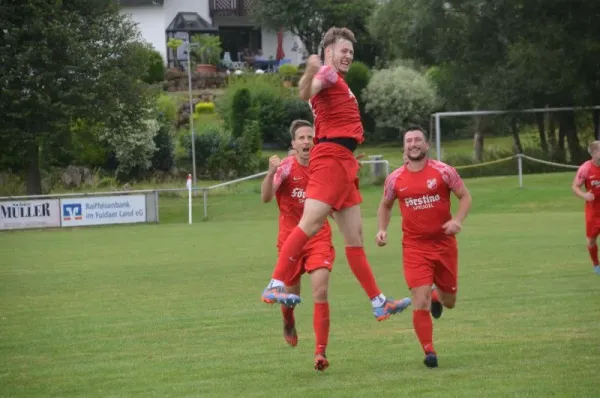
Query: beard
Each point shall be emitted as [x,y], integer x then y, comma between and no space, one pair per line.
[418,157]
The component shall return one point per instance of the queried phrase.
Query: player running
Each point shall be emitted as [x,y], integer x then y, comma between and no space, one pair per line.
[588,175]
[333,169]
[429,248]
[287,180]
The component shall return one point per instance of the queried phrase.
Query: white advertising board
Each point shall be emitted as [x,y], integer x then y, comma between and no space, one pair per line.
[99,210]
[21,214]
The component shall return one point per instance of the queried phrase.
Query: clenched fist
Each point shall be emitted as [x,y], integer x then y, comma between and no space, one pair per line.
[274,163]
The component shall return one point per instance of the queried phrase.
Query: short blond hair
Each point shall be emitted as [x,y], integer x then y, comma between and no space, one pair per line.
[296,124]
[333,35]
[593,147]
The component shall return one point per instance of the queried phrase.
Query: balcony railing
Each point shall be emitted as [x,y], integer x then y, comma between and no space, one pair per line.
[230,8]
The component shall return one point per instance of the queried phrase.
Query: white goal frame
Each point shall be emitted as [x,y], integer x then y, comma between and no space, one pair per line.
[439,115]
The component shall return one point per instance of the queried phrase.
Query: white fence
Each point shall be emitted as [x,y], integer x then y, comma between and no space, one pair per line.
[125,207]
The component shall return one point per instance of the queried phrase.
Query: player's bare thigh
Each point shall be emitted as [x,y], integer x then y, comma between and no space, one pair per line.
[314,215]
[349,222]
[319,263]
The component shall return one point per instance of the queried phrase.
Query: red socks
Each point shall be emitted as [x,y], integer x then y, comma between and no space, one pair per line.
[424,329]
[321,326]
[288,316]
[594,254]
[291,249]
[362,270]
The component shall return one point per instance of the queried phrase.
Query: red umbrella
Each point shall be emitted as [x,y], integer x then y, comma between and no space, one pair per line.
[280,54]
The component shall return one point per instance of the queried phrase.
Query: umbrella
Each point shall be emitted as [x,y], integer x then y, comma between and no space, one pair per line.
[280,54]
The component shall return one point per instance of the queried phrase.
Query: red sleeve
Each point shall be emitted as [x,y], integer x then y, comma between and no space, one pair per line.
[582,174]
[327,75]
[452,179]
[282,173]
[449,175]
[389,189]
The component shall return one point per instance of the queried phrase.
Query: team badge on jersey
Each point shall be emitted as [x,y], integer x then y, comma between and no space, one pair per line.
[431,183]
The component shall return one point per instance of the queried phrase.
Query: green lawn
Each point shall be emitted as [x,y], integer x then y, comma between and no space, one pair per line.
[174,310]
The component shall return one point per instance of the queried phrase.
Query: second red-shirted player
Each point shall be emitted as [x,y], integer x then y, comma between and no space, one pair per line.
[423,188]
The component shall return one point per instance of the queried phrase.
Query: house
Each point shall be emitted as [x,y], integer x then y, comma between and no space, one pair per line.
[159,20]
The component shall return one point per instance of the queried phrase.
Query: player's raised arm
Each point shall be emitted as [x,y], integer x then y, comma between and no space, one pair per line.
[273,179]
[316,77]
[384,213]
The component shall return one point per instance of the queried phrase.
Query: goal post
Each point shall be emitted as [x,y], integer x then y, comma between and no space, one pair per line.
[439,115]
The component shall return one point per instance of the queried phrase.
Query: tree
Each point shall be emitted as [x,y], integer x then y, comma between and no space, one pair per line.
[310,19]
[63,61]
[502,54]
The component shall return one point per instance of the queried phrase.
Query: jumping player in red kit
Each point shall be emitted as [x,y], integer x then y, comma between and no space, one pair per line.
[287,180]
[333,170]
[588,175]
[429,249]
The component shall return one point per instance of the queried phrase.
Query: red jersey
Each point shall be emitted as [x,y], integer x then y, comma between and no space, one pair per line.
[290,182]
[424,198]
[335,109]
[589,174]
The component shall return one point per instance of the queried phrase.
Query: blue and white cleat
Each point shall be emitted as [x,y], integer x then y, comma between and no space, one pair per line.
[597,269]
[278,295]
[390,307]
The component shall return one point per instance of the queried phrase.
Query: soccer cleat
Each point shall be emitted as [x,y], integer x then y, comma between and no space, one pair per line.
[436,309]
[390,307]
[431,360]
[290,335]
[597,269]
[321,362]
[278,295]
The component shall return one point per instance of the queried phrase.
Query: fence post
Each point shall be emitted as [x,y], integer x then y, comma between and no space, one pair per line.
[520,167]
[376,166]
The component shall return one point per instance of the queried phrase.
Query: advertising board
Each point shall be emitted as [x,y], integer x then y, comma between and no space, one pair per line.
[22,214]
[99,210]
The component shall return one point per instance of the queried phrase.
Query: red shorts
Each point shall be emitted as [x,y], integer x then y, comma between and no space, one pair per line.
[427,264]
[592,227]
[315,257]
[333,176]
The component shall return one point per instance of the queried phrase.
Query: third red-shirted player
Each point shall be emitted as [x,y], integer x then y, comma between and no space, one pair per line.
[333,169]
[429,250]
[287,179]
[588,175]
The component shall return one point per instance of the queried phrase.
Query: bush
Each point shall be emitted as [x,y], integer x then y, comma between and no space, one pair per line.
[166,109]
[289,73]
[241,111]
[399,97]
[163,158]
[293,108]
[155,65]
[273,106]
[268,84]
[204,107]
[357,78]
[208,140]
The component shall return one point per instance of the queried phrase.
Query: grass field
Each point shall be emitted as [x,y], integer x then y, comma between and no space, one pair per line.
[174,310]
